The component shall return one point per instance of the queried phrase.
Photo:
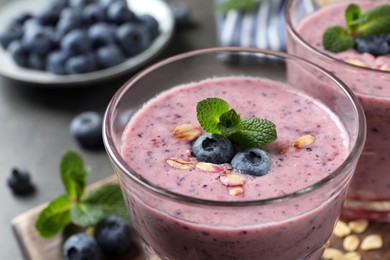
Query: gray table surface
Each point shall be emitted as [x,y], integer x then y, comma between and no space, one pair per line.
[34,127]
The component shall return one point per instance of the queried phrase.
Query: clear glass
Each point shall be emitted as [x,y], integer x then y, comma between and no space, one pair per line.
[174,226]
[369,194]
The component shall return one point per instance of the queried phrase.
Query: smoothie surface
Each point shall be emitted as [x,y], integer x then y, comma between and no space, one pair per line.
[148,140]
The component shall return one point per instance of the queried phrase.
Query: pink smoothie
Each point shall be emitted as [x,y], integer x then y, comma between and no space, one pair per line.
[371,83]
[278,231]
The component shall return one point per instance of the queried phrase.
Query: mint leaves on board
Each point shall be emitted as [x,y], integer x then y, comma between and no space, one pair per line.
[372,22]
[215,117]
[78,206]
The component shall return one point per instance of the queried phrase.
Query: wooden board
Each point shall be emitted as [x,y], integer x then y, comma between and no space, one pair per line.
[36,248]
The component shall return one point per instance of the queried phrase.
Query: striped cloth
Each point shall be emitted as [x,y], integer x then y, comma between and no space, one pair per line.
[263,28]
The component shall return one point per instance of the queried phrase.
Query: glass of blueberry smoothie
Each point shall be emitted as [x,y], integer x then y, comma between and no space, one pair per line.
[351,39]
[226,153]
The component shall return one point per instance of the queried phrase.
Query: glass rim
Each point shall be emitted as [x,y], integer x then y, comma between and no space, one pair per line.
[119,162]
[290,29]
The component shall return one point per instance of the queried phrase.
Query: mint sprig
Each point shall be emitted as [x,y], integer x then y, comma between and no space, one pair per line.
[372,22]
[215,117]
[78,206]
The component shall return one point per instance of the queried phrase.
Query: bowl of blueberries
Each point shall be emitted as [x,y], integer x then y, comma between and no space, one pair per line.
[64,42]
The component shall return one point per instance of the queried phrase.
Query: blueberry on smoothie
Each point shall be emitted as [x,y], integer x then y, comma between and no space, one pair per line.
[113,235]
[375,45]
[19,181]
[80,246]
[213,148]
[86,128]
[252,161]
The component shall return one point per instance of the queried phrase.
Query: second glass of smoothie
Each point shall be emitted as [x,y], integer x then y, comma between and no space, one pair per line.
[369,77]
[185,209]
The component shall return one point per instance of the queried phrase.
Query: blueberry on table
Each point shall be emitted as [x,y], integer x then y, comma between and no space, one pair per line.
[213,148]
[252,161]
[86,128]
[80,246]
[113,235]
[19,181]
[133,38]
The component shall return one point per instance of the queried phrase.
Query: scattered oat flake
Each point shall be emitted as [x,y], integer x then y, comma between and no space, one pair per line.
[356,62]
[180,164]
[351,242]
[358,226]
[352,256]
[332,254]
[304,141]
[186,132]
[235,191]
[371,242]
[230,179]
[341,229]
[209,167]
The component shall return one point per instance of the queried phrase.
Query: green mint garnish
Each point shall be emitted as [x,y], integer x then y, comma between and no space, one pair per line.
[215,117]
[373,22]
[239,5]
[77,206]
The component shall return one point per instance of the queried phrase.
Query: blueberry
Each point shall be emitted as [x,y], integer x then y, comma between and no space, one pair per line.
[113,235]
[14,31]
[79,3]
[86,128]
[70,18]
[151,24]
[18,53]
[93,13]
[55,61]
[375,45]
[19,181]
[80,246]
[22,18]
[37,61]
[213,148]
[101,34]
[109,56]
[252,161]
[118,12]
[132,38]
[38,40]
[76,42]
[82,63]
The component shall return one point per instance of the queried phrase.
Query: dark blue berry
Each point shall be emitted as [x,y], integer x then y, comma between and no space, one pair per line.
[93,13]
[109,56]
[19,181]
[132,38]
[82,63]
[18,53]
[79,3]
[38,40]
[375,45]
[252,161]
[22,18]
[37,61]
[14,31]
[101,34]
[119,12]
[80,246]
[76,42]
[151,24]
[213,148]
[113,235]
[70,18]
[86,128]
[56,60]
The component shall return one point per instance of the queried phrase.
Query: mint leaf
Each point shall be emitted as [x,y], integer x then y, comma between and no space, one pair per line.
[375,21]
[74,174]
[239,5]
[336,39]
[209,111]
[99,203]
[54,217]
[228,122]
[352,13]
[254,132]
